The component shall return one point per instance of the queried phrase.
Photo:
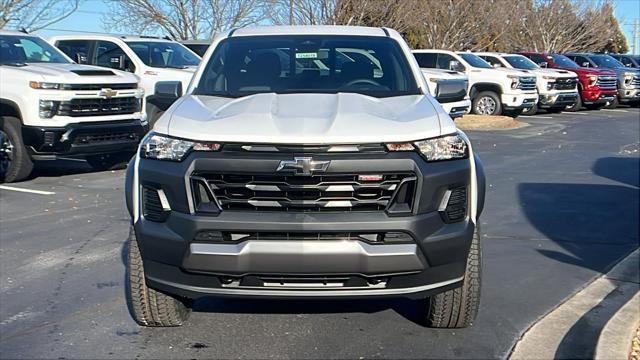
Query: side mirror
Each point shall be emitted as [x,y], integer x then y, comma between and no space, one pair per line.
[81,58]
[586,64]
[117,62]
[543,64]
[454,65]
[168,90]
[450,90]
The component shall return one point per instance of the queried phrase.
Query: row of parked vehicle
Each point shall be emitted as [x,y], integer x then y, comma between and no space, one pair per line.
[95,96]
[512,84]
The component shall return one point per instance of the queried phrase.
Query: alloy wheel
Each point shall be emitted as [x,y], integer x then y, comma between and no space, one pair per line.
[486,106]
[6,153]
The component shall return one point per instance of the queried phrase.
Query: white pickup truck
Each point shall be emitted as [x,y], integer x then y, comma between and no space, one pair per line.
[492,91]
[456,105]
[557,88]
[52,108]
[154,60]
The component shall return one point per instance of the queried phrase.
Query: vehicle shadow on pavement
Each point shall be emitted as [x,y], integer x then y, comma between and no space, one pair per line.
[588,221]
[412,310]
[59,168]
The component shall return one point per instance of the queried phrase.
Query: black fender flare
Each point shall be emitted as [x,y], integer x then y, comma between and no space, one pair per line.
[128,186]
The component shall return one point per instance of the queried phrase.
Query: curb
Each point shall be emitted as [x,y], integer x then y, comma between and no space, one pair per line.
[595,322]
[616,336]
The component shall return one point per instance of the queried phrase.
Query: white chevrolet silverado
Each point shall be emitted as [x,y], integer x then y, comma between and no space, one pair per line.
[154,60]
[293,167]
[492,91]
[51,107]
[557,89]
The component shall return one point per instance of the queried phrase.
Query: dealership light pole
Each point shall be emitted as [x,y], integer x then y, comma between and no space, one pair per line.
[636,32]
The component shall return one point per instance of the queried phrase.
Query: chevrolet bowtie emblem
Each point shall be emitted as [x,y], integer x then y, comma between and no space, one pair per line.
[304,166]
[108,93]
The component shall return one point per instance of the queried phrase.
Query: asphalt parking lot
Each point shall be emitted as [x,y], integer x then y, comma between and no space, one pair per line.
[562,208]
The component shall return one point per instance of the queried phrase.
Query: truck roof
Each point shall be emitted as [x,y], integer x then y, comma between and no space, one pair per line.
[310,30]
[98,36]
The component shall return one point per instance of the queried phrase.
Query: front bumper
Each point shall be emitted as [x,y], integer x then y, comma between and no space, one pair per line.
[177,262]
[457,109]
[628,94]
[557,100]
[83,139]
[598,96]
[519,100]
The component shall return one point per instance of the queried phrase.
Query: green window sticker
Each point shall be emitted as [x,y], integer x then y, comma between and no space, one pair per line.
[307,55]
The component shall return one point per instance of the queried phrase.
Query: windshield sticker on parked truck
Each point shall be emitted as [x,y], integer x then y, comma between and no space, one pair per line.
[307,55]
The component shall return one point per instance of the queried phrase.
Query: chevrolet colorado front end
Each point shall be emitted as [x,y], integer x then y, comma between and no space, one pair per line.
[293,168]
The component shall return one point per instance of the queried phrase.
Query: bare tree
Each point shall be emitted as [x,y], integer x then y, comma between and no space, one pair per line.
[35,14]
[184,19]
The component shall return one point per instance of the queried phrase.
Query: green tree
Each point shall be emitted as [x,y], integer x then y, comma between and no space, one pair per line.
[618,42]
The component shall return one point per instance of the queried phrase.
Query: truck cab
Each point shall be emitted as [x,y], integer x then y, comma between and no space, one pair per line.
[52,108]
[557,88]
[597,87]
[628,79]
[437,79]
[492,91]
[630,61]
[154,60]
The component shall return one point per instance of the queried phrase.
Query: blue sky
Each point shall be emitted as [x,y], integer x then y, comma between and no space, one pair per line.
[89,18]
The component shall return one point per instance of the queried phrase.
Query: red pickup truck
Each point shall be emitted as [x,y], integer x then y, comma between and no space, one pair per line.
[597,87]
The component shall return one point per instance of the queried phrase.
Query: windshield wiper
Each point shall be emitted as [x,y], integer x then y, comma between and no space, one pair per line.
[16,64]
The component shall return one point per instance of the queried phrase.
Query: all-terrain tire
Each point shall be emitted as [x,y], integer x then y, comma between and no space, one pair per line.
[458,308]
[19,165]
[481,104]
[147,306]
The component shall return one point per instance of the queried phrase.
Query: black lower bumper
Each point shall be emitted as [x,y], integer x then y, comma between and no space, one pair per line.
[179,261]
[83,139]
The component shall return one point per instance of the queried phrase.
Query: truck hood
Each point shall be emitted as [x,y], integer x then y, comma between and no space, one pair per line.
[343,118]
[504,71]
[75,74]
[558,73]
[591,71]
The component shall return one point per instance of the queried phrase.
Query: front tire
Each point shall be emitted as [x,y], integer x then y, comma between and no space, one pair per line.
[15,162]
[458,308]
[577,106]
[614,104]
[147,306]
[531,111]
[487,103]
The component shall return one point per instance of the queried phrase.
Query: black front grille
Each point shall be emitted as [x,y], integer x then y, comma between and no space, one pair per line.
[527,83]
[329,192]
[98,106]
[565,84]
[237,237]
[456,209]
[103,138]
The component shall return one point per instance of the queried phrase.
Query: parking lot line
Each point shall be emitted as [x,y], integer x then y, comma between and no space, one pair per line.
[39,192]
[540,117]
[614,110]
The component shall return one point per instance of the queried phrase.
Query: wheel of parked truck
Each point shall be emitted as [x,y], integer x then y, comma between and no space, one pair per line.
[147,306]
[595,106]
[612,105]
[15,162]
[554,110]
[487,103]
[575,107]
[458,308]
[532,111]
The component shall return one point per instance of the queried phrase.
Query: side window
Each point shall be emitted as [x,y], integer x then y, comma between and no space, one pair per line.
[536,58]
[77,50]
[446,62]
[426,60]
[108,54]
[581,60]
[492,60]
[34,52]
[625,61]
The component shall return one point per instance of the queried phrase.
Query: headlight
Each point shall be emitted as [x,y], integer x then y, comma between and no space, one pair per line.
[550,85]
[48,108]
[163,147]
[44,85]
[592,79]
[447,147]
[515,80]
[628,78]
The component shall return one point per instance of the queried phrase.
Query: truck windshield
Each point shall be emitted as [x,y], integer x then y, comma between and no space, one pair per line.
[521,62]
[161,54]
[475,61]
[563,61]
[15,49]
[605,61]
[242,66]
